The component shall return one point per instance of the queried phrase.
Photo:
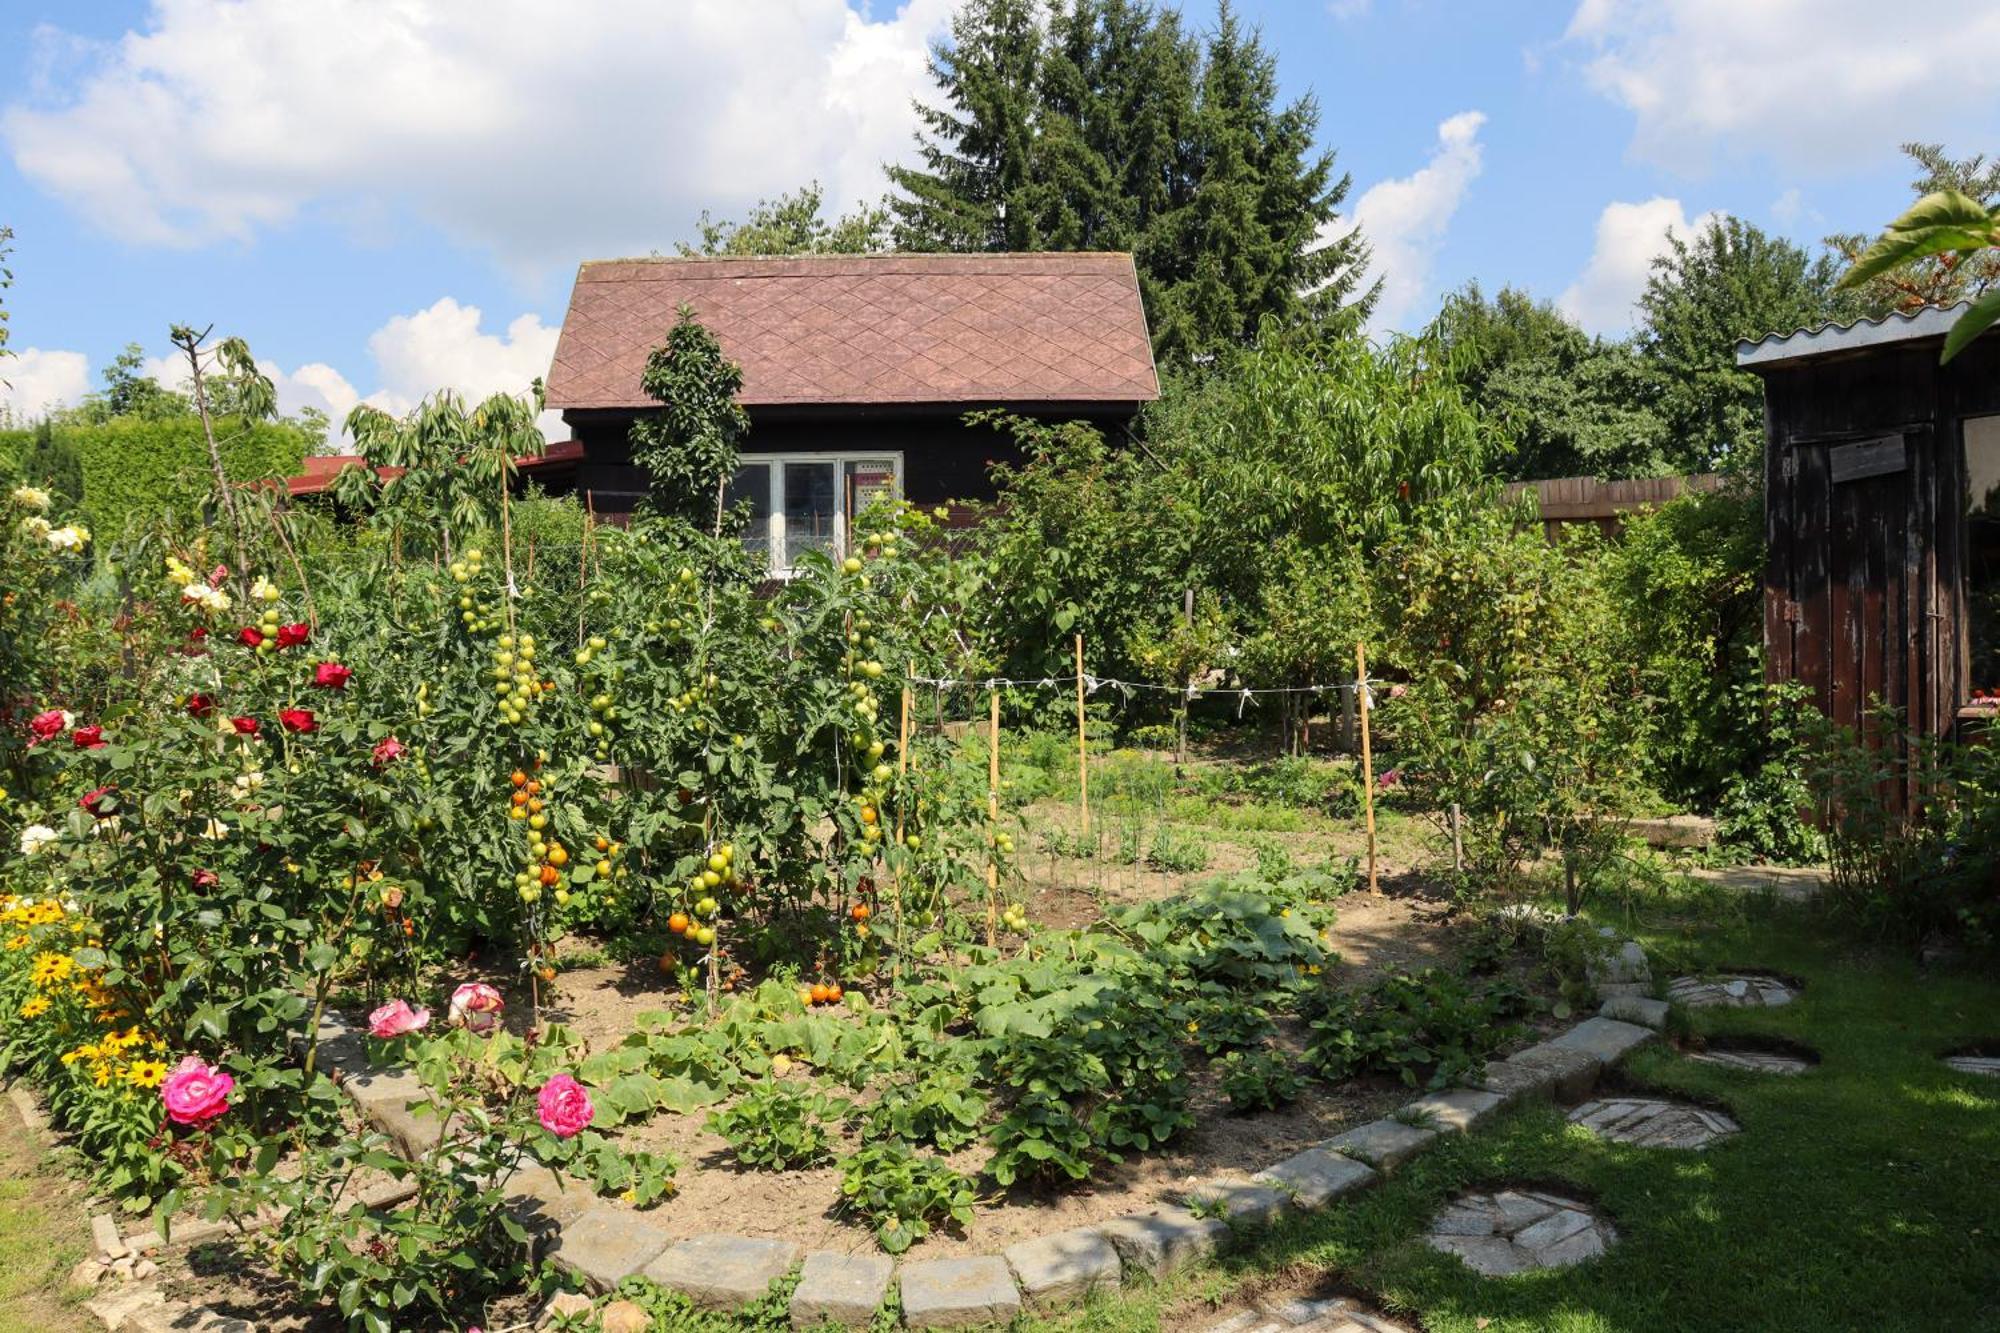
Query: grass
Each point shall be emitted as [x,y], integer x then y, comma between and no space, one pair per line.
[1864,1194]
[42,1236]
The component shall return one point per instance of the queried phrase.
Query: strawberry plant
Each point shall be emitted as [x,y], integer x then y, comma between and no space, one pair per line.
[780,1126]
[901,1192]
[1260,1080]
[1430,1028]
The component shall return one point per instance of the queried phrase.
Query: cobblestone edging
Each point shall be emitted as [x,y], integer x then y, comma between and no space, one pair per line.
[602,1245]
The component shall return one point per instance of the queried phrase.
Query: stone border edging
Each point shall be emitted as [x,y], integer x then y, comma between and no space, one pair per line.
[602,1245]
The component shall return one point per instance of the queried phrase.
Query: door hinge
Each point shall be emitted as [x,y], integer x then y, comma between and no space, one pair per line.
[1791,613]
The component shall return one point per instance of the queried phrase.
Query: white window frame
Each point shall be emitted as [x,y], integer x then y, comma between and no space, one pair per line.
[780,565]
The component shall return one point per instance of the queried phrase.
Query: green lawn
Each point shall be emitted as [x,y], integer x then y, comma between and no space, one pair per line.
[1862,1195]
[42,1236]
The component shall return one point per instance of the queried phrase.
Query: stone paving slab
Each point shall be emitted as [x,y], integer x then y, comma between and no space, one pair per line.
[1256,1204]
[949,1293]
[1988,1065]
[1518,1231]
[1638,1009]
[606,1245]
[1605,1040]
[845,1289]
[541,1199]
[1455,1112]
[1061,1270]
[1382,1144]
[1757,1062]
[723,1272]
[1157,1244]
[1790,883]
[1317,1177]
[1546,1072]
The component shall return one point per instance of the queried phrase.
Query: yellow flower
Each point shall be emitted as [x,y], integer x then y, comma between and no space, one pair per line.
[101,1076]
[51,968]
[36,1007]
[18,942]
[147,1073]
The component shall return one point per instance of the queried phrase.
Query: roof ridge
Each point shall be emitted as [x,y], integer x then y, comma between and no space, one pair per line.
[1777,336]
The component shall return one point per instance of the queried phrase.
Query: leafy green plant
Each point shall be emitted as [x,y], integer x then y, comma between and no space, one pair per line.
[901,1192]
[1176,852]
[1260,1080]
[1429,1028]
[779,1126]
[1219,1021]
[940,1107]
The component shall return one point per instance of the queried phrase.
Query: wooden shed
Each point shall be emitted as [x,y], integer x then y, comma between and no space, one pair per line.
[1882,517]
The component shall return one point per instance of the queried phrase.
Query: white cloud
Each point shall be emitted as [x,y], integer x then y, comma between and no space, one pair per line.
[1629,238]
[1815,85]
[1344,10]
[34,380]
[1405,219]
[545,134]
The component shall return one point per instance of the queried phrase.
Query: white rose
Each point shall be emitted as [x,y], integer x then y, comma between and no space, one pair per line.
[36,838]
[31,497]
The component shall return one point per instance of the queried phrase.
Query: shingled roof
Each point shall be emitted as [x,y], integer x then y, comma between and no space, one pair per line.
[869,329]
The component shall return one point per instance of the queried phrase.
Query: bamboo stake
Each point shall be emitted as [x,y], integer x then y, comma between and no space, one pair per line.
[993,820]
[1367,759]
[1082,744]
[902,771]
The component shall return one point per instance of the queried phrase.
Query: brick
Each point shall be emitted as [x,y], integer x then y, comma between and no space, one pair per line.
[1060,1270]
[1456,1111]
[607,1245]
[1157,1244]
[1257,1204]
[723,1272]
[1605,1040]
[1636,1009]
[1546,1072]
[1317,1177]
[1383,1144]
[951,1293]
[845,1289]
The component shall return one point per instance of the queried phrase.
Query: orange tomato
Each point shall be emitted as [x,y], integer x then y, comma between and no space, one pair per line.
[601,843]
[534,786]
[859,912]
[547,973]
[535,807]
[868,814]
[558,855]
[678,923]
[520,798]
[833,993]
[549,876]
[821,994]
[666,963]
[518,778]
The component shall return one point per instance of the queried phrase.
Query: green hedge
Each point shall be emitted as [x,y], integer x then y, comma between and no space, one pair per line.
[134,467]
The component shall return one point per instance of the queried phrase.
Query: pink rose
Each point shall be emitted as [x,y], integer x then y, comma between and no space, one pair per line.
[397,1019]
[47,726]
[564,1107]
[477,1006]
[196,1093]
[387,751]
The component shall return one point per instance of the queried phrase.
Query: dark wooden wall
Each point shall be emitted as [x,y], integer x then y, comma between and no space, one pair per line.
[943,458]
[1864,590]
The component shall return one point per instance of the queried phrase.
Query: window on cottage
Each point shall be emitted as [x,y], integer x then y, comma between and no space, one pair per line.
[807,502]
[1982,551]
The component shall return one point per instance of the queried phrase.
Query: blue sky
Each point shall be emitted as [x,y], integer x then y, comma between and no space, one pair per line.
[386,198]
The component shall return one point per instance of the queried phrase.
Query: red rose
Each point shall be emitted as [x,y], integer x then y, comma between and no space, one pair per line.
[93,802]
[200,705]
[47,726]
[87,738]
[250,636]
[198,632]
[206,879]
[331,676]
[300,720]
[291,636]
[245,726]
[387,751]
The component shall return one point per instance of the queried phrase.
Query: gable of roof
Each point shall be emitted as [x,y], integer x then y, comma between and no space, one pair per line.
[868,329]
[1899,326]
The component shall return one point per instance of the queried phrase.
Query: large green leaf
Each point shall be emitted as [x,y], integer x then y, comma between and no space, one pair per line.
[1971,324]
[1936,223]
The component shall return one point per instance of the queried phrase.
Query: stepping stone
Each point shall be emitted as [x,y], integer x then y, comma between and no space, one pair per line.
[720,1272]
[1525,1230]
[1059,1270]
[1989,1065]
[1747,990]
[845,1289]
[948,1293]
[1383,1144]
[1317,1177]
[1648,1123]
[1760,1062]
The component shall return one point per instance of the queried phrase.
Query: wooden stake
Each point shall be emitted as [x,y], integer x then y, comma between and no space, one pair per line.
[902,771]
[1082,743]
[1367,759]
[993,820]
[1457,839]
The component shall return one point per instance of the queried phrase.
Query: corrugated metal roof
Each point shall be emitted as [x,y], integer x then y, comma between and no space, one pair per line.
[1899,326]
